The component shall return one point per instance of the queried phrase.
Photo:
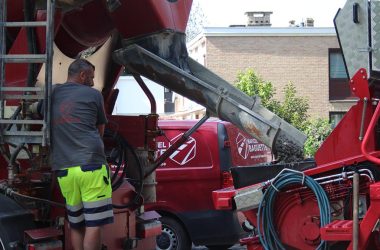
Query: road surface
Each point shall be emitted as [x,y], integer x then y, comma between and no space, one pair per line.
[235,247]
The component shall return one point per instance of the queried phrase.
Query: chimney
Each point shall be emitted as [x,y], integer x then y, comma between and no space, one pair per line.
[259,18]
[309,22]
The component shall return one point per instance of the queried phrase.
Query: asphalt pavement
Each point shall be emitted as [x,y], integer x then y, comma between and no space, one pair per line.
[235,247]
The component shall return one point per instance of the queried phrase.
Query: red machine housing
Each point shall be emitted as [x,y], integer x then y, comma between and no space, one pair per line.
[297,215]
[80,25]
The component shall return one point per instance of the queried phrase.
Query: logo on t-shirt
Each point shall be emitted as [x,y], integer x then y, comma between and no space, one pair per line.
[65,113]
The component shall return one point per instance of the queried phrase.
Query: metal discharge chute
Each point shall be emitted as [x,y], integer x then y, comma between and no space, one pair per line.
[152,57]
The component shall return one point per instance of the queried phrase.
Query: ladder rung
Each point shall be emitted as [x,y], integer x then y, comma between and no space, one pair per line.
[21,89]
[5,121]
[24,139]
[39,58]
[23,133]
[24,24]
[19,97]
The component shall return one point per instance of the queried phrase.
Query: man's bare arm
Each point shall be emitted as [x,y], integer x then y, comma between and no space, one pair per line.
[101,129]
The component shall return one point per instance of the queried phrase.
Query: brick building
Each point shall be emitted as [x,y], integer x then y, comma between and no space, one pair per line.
[309,57]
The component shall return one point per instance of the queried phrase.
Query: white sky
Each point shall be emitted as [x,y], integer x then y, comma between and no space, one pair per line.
[226,12]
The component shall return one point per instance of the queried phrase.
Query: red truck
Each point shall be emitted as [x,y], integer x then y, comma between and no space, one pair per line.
[146,38]
[202,164]
[39,39]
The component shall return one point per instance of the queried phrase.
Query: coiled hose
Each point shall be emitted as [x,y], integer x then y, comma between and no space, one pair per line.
[267,231]
[120,159]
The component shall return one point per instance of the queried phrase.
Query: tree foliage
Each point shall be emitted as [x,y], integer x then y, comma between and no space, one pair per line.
[293,109]
[316,132]
[253,85]
[197,20]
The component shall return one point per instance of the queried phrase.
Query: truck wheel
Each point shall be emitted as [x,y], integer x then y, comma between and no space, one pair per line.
[173,236]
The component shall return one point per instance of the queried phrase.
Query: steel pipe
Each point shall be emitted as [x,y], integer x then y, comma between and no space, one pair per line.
[355,215]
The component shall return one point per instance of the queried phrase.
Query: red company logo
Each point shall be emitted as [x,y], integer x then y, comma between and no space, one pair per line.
[242,146]
[186,152]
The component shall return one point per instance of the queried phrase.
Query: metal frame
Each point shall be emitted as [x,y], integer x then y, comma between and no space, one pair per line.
[3,49]
[47,58]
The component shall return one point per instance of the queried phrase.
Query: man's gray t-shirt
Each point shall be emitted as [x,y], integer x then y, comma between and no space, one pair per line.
[76,111]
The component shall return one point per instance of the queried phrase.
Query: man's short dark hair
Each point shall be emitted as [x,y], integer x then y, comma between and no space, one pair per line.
[79,65]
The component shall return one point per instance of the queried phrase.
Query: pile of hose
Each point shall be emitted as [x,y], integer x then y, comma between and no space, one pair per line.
[119,157]
[266,229]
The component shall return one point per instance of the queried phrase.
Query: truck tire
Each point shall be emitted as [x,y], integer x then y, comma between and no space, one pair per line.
[173,236]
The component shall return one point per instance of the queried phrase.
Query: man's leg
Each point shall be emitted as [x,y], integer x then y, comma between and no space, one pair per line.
[96,194]
[74,207]
[92,238]
[77,237]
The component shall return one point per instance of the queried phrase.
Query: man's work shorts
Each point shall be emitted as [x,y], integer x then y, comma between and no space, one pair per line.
[87,191]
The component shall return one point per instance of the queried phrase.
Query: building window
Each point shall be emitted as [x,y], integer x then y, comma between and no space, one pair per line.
[339,88]
[335,118]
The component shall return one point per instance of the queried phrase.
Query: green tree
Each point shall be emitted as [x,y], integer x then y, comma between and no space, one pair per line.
[196,22]
[253,85]
[292,109]
[316,132]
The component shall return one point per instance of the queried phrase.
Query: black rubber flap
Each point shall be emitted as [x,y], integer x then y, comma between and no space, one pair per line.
[249,175]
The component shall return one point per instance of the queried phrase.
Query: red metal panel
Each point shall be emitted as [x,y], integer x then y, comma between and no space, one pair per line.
[359,84]
[43,233]
[180,13]
[370,219]
[152,131]
[223,198]
[337,230]
[344,141]
[89,26]
[132,128]
[338,164]
[194,166]
[135,18]
[66,44]
[92,24]
[252,243]
[149,229]
[15,13]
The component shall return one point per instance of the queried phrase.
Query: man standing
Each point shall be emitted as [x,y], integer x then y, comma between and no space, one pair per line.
[77,155]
